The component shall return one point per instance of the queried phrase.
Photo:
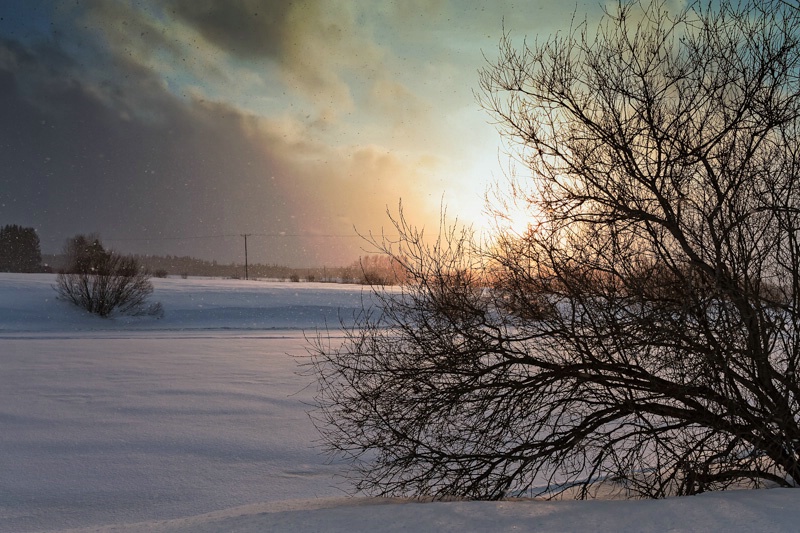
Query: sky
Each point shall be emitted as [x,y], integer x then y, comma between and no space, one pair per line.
[176,126]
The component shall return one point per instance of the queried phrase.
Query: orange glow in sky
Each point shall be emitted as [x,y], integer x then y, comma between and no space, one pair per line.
[174,126]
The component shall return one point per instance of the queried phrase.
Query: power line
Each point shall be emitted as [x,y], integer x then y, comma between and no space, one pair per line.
[228,235]
[185,238]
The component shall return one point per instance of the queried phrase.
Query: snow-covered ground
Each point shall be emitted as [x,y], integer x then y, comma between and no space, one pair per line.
[197,422]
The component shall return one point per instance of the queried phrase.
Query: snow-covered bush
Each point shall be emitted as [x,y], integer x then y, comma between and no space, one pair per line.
[113,284]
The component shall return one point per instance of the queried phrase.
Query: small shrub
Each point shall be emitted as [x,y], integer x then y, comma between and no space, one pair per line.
[294,278]
[160,273]
[115,284]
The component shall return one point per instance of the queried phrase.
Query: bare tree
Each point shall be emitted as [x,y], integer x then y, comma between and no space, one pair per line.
[103,282]
[644,335]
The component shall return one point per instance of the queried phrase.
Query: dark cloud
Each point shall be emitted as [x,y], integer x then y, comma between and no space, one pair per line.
[153,120]
[315,44]
[77,159]
[245,28]
[124,157]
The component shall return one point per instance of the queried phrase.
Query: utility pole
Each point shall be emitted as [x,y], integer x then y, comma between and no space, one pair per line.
[245,235]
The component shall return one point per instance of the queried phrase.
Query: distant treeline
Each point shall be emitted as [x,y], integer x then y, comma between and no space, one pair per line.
[20,252]
[370,269]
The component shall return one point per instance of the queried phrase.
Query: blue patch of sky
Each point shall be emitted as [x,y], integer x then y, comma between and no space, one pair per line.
[26,21]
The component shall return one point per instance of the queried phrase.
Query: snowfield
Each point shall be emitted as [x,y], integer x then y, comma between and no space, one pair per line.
[197,422]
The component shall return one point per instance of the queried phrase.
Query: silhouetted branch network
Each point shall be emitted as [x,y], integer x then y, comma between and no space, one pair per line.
[643,337]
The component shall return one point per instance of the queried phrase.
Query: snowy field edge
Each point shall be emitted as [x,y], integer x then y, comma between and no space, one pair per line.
[198,422]
[773,510]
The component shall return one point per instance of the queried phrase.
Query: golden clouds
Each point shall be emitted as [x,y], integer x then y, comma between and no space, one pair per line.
[314,44]
[293,115]
[334,189]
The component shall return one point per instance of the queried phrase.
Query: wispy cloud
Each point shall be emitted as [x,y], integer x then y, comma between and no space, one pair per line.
[172,117]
